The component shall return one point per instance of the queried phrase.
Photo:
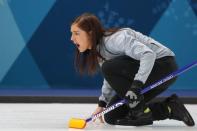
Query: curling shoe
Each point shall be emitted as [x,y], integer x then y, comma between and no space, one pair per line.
[178,111]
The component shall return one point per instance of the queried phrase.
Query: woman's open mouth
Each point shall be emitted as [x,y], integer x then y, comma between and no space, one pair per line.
[77,45]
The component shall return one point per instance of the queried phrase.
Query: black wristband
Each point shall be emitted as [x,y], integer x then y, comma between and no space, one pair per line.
[102,104]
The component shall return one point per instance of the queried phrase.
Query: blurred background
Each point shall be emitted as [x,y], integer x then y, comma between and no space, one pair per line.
[36,54]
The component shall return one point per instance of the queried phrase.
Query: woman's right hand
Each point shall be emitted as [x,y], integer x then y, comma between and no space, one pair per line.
[98,110]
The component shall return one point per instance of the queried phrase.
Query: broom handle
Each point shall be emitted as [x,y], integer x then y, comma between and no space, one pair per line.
[157,83]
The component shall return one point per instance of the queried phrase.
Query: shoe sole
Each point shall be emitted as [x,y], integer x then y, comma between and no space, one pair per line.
[187,118]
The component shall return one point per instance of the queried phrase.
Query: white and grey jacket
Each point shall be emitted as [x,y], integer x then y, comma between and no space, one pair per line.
[135,45]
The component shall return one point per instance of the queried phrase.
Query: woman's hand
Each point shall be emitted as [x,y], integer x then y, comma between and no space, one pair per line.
[98,110]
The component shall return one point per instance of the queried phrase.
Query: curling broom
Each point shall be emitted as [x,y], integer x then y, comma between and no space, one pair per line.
[81,123]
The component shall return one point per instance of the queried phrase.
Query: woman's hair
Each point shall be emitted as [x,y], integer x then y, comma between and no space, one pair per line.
[88,61]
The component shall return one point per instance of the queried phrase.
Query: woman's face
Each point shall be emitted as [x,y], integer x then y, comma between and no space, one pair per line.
[80,38]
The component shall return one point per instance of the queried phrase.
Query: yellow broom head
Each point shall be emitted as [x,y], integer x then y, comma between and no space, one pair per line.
[77,123]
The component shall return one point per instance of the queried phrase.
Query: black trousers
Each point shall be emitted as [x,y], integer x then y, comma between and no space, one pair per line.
[120,72]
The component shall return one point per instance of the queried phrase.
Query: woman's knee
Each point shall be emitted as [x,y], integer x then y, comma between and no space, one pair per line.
[108,119]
